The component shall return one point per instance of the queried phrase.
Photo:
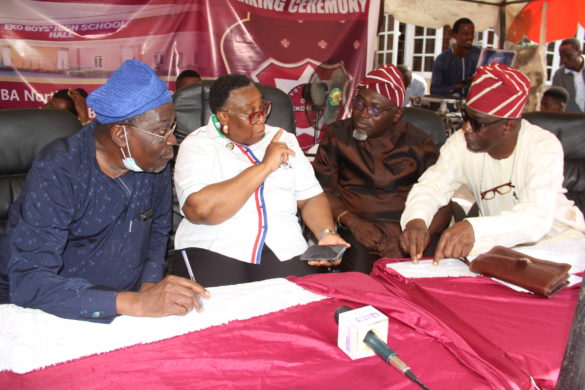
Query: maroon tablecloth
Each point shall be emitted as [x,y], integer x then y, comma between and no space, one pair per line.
[455,333]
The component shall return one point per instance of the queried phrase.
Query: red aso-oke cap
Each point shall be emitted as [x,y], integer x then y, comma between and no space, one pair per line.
[387,81]
[498,90]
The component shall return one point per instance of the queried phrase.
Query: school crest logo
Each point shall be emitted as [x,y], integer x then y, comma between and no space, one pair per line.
[294,79]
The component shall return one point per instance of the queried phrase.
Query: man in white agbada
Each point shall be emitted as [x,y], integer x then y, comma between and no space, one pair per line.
[513,169]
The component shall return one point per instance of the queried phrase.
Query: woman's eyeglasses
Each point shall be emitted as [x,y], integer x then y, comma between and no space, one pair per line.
[372,110]
[257,116]
[165,136]
[475,124]
[502,189]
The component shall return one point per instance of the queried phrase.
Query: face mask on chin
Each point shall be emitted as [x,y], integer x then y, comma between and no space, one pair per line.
[129,161]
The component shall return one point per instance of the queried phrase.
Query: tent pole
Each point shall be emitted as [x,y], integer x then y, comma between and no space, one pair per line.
[572,374]
[543,23]
[502,18]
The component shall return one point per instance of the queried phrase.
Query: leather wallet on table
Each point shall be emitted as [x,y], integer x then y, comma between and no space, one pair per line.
[539,276]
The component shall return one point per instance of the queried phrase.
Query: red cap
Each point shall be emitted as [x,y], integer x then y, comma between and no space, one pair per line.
[386,81]
[498,90]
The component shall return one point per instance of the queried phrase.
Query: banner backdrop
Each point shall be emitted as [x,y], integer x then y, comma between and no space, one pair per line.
[47,45]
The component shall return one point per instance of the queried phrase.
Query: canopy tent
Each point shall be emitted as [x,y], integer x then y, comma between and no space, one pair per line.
[560,16]
[547,21]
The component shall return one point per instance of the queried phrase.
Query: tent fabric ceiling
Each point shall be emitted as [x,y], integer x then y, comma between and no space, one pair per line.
[562,18]
[436,14]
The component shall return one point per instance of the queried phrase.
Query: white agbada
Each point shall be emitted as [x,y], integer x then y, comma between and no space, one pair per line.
[536,209]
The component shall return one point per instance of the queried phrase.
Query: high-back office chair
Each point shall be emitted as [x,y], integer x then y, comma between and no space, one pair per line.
[23,133]
[192,107]
[570,130]
[428,121]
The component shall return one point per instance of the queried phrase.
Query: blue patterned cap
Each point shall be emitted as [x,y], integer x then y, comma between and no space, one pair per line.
[132,89]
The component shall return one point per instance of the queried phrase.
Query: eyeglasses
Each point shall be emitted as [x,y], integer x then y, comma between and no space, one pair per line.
[475,124]
[257,116]
[372,110]
[165,136]
[502,189]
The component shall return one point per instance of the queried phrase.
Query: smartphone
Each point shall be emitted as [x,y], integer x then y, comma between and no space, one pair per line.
[323,252]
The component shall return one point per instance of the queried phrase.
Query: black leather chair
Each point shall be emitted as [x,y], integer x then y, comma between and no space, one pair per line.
[570,130]
[23,133]
[192,107]
[428,121]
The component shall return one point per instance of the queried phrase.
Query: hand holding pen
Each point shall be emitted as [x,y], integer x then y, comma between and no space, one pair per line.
[192,277]
[171,296]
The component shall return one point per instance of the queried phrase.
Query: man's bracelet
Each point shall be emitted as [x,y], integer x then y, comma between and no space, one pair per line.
[338,219]
[326,232]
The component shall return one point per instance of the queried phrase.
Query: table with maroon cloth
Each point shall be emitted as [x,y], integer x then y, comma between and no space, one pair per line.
[454,332]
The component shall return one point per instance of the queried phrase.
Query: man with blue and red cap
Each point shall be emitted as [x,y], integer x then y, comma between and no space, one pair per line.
[366,165]
[513,169]
[87,237]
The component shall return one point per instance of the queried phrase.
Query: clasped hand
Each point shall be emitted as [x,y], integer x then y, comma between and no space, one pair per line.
[371,235]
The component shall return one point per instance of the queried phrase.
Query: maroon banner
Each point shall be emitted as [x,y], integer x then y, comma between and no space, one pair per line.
[70,44]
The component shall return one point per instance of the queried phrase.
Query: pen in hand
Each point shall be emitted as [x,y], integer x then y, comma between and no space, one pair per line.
[191,275]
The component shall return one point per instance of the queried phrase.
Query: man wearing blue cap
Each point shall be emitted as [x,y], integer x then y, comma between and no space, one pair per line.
[87,237]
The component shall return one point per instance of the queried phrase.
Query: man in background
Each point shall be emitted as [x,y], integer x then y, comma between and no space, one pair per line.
[554,99]
[454,68]
[72,100]
[571,75]
[187,77]
[415,84]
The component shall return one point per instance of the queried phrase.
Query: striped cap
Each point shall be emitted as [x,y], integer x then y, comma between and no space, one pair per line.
[386,81]
[498,90]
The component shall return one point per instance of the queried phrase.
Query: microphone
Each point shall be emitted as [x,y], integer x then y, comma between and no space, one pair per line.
[371,318]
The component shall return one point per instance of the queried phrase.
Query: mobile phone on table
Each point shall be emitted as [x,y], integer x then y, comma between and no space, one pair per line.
[323,252]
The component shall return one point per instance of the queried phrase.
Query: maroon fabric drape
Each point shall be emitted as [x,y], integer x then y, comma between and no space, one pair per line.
[530,331]
[296,348]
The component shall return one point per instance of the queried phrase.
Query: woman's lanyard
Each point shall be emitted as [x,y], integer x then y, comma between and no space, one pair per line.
[258,196]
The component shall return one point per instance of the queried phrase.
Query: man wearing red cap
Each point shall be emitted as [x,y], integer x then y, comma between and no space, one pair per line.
[513,169]
[367,164]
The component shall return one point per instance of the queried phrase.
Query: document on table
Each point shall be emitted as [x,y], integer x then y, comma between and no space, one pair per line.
[450,268]
[426,269]
[569,251]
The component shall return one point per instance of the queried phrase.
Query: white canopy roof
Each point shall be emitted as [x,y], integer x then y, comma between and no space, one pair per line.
[437,13]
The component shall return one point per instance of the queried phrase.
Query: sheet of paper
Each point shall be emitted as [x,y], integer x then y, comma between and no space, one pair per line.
[426,269]
[567,251]
[570,252]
